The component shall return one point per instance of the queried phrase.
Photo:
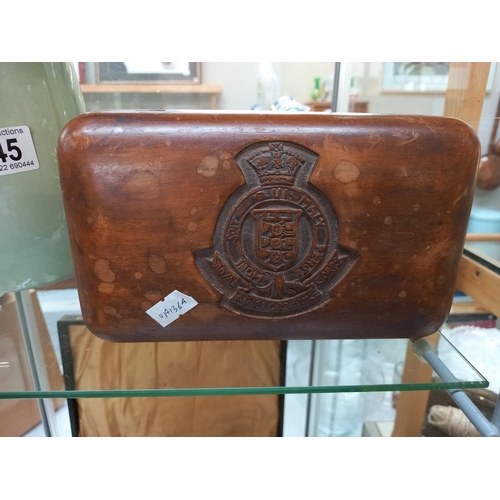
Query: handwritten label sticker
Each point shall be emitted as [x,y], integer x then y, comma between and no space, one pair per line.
[17,151]
[173,306]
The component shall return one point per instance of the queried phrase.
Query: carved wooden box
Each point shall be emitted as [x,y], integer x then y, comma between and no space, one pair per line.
[280,226]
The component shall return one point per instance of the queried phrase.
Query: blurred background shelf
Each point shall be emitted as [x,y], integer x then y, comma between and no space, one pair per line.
[212,90]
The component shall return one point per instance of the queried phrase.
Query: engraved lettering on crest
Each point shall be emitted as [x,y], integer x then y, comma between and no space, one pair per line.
[275,247]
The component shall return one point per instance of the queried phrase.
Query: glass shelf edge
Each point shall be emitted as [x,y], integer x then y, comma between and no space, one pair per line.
[241,391]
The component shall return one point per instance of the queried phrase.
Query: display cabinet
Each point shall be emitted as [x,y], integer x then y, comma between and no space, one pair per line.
[131,370]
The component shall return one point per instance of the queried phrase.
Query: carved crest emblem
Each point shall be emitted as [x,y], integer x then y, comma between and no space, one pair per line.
[275,248]
[276,237]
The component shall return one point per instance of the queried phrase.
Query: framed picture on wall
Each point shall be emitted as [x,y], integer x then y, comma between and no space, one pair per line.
[148,72]
[419,77]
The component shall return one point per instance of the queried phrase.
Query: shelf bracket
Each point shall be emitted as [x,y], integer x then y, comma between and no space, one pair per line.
[425,351]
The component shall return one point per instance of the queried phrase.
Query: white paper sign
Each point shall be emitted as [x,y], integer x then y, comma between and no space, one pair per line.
[169,309]
[17,151]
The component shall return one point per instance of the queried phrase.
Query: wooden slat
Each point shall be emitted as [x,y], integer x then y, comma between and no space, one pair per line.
[67,283]
[412,405]
[480,283]
[482,237]
[151,88]
[465,93]
[468,308]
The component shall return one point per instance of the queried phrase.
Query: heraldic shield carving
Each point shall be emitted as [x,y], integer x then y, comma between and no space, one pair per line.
[275,247]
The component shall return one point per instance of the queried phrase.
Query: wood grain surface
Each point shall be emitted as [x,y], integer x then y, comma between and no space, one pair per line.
[280,226]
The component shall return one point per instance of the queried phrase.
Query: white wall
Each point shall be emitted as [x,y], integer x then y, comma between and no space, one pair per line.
[297,78]
[238,80]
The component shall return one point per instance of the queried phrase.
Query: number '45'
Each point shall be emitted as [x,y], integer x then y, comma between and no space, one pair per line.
[11,148]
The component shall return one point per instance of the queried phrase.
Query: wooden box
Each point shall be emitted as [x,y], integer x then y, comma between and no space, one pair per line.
[280,226]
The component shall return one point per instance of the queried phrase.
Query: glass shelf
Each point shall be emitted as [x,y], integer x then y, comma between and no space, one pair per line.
[486,253]
[94,368]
